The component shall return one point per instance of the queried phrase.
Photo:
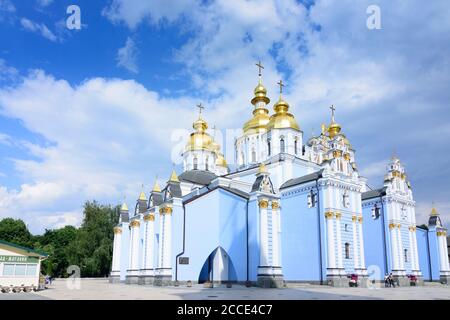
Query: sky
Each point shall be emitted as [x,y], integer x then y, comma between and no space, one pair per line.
[96,113]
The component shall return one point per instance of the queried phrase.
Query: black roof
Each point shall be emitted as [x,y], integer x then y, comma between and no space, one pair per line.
[307,178]
[198,177]
[374,193]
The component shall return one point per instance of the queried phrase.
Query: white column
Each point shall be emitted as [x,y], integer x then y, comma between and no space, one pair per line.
[149,244]
[339,240]
[444,240]
[416,253]
[400,247]
[411,248]
[135,245]
[263,236]
[361,242]
[394,249]
[161,239]
[167,262]
[330,240]
[116,249]
[355,243]
[442,258]
[275,235]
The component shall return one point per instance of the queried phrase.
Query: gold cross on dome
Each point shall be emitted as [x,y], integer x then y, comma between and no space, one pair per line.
[200,108]
[333,109]
[260,67]
[281,84]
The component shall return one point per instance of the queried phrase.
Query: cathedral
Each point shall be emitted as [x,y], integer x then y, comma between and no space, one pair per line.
[293,210]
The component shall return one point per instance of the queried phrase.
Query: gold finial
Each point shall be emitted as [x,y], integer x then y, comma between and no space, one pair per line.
[200,109]
[142,195]
[124,206]
[156,187]
[281,84]
[174,177]
[260,67]
[434,212]
[333,109]
[262,168]
[334,128]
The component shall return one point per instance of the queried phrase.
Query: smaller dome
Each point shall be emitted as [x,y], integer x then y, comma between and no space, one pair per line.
[199,141]
[282,119]
[260,94]
[334,129]
[220,161]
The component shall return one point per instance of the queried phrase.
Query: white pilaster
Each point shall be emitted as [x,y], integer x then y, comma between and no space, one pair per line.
[149,244]
[355,242]
[276,261]
[263,234]
[339,240]
[117,247]
[331,254]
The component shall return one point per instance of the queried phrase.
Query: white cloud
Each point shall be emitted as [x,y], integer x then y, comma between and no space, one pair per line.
[44,3]
[39,28]
[7,6]
[127,56]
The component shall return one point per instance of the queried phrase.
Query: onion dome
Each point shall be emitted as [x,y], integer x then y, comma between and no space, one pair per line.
[220,159]
[261,117]
[334,128]
[282,119]
[199,139]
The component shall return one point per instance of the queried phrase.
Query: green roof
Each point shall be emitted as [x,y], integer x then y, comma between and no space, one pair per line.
[28,250]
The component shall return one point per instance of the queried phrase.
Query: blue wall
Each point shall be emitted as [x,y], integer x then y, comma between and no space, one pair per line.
[374,239]
[216,219]
[424,257]
[299,239]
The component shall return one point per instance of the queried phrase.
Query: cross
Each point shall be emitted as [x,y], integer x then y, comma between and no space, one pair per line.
[260,67]
[333,109]
[281,84]
[200,108]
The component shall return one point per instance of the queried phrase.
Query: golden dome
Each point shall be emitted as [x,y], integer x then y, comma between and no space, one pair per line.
[220,161]
[261,117]
[260,94]
[200,139]
[334,129]
[282,119]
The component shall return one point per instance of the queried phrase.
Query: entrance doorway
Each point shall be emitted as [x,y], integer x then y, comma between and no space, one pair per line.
[217,268]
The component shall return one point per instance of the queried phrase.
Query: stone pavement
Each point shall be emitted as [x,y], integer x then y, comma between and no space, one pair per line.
[93,289]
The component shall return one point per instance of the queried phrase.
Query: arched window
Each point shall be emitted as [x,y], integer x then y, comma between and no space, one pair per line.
[406,255]
[253,155]
[207,164]
[242,157]
[269,151]
[195,163]
[282,146]
[347,250]
[296,146]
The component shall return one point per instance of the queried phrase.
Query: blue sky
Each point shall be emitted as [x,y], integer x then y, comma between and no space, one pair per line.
[91,113]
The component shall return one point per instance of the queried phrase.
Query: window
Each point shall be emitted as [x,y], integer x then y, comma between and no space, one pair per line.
[8,270]
[206,164]
[346,228]
[21,269]
[195,163]
[268,148]
[296,146]
[406,255]
[375,212]
[347,250]
[311,199]
[282,146]
[253,155]
[345,200]
[31,269]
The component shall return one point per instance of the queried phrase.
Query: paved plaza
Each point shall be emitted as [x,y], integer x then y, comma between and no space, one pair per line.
[93,289]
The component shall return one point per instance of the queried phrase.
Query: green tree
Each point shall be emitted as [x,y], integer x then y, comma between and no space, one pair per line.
[92,248]
[15,231]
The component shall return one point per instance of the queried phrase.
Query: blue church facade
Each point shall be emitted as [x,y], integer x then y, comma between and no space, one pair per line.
[290,212]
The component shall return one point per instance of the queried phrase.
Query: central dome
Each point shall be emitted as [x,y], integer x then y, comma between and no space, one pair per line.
[200,139]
